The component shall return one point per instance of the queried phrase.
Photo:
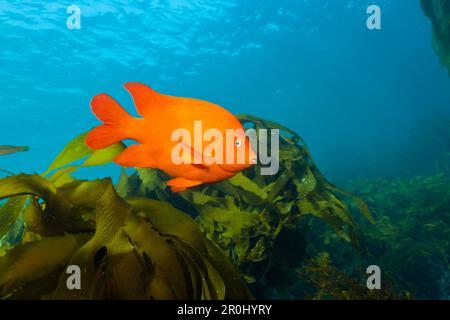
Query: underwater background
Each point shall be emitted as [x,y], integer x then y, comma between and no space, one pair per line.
[373,107]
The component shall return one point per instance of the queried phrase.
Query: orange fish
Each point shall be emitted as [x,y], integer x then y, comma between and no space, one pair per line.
[162,115]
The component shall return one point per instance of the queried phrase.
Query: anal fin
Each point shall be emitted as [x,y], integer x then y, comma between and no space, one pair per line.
[182,184]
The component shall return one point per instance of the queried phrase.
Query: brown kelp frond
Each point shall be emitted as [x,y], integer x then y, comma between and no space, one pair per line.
[78,150]
[126,250]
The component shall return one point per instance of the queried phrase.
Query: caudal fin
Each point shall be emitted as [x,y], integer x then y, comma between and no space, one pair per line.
[115,120]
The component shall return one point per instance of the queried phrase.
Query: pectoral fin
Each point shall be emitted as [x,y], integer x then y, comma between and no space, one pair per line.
[194,157]
[137,155]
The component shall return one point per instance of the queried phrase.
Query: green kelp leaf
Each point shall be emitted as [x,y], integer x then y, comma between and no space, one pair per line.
[160,287]
[199,270]
[257,253]
[290,153]
[123,186]
[196,278]
[124,272]
[339,208]
[230,203]
[324,211]
[77,149]
[24,184]
[55,202]
[235,287]
[104,156]
[227,188]
[241,249]
[240,180]
[169,278]
[36,221]
[149,180]
[213,286]
[170,221]
[248,198]
[10,212]
[246,219]
[276,187]
[31,261]
[38,288]
[235,221]
[361,205]
[214,280]
[306,184]
[364,209]
[285,207]
[200,198]
[73,151]
[15,233]
[111,214]
[85,193]
[62,176]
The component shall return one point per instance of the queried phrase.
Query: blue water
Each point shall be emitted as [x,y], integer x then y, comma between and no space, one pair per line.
[353,94]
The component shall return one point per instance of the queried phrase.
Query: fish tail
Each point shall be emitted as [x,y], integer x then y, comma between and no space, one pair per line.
[115,122]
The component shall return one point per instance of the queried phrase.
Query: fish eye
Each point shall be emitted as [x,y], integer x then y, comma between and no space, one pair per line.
[238,143]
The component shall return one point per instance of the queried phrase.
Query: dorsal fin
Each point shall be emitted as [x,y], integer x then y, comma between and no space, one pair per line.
[145,98]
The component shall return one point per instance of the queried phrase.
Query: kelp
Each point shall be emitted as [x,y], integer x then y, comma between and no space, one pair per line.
[410,239]
[138,239]
[250,215]
[416,211]
[330,283]
[133,248]
[77,150]
[438,11]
